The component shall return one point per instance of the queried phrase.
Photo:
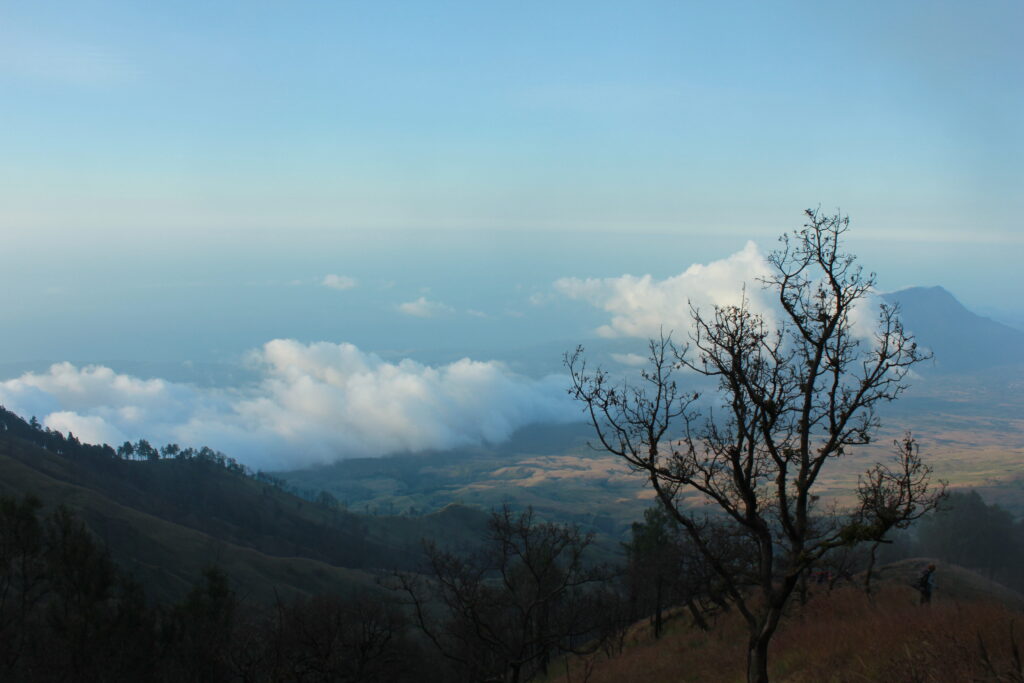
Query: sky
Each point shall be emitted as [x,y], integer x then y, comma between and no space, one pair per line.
[186,183]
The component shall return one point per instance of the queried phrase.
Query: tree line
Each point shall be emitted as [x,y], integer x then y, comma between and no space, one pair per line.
[71,446]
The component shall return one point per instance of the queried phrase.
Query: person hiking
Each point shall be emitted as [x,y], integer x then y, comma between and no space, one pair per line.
[926,584]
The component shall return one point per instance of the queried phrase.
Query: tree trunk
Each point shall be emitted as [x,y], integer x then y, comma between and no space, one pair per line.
[871,568]
[657,609]
[698,618]
[757,660]
[757,648]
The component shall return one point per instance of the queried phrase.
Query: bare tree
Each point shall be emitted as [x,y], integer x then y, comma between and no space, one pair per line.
[793,395]
[502,613]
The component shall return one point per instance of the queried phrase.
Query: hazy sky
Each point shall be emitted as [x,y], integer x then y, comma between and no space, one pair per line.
[189,181]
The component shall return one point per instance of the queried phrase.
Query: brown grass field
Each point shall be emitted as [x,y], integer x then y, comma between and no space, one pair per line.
[969,452]
[839,636]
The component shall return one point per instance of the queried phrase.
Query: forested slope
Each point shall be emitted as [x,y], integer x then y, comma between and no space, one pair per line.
[165,519]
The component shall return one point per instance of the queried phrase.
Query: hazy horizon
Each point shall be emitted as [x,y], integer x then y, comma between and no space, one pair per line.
[483,294]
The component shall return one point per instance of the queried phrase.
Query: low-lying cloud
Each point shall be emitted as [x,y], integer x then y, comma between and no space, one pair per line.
[314,403]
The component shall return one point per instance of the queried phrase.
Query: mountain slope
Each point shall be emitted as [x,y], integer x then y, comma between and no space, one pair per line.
[962,341]
[167,557]
[165,520]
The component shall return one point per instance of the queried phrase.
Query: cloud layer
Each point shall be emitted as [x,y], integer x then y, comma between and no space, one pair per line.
[315,403]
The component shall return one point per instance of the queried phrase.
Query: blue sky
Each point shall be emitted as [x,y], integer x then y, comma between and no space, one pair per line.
[182,182]
[672,116]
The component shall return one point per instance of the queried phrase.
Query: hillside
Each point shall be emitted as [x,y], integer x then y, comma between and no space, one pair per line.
[165,520]
[839,636]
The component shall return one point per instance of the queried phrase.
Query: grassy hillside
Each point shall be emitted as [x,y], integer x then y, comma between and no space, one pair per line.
[840,636]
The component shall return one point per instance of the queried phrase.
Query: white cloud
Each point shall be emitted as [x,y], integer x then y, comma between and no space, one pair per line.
[630,359]
[424,308]
[87,429]
[642,306]
[314,403]
[341,282]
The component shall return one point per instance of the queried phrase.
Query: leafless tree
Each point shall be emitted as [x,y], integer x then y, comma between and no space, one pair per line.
[793,395]
[500,614]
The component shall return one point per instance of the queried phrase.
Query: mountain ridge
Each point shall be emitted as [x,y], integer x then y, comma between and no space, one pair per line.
[168,519]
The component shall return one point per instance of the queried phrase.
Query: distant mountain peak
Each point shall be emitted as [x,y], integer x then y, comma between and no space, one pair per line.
[961,340]
[933,294]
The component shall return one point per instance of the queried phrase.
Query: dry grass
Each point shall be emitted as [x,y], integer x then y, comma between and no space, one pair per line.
[838,637]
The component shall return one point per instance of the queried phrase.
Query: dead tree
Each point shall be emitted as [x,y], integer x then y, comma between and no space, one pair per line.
[795,391]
